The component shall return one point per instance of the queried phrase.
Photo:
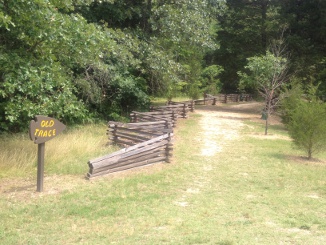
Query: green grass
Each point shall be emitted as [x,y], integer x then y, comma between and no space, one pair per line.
[65,154]
[253,192]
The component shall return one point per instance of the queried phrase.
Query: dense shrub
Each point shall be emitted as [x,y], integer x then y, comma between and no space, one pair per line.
[307,126]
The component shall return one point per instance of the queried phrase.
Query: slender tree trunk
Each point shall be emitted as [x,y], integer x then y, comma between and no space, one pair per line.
[309,154]
[267,111]
[266,123]
[310,149]
[269,108]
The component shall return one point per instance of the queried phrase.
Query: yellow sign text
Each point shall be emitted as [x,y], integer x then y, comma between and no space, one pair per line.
[44,133]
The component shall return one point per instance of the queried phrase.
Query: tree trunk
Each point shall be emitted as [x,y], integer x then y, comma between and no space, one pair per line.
[309,154]
[266,124]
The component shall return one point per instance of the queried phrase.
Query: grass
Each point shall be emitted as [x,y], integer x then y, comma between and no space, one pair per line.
[253,192]
[66,154]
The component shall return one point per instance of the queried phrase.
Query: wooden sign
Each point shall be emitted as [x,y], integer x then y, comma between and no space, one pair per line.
[43,129]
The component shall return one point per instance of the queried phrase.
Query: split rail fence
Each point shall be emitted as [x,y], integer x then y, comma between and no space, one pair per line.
[147,139]
[223,98]
[129,134]
[169,115]
[152,151]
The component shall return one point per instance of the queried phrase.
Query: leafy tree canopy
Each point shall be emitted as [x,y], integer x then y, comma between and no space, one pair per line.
[78,60]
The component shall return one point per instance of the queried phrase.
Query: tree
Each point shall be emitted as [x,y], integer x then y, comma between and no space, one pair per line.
[307,126]
[210,79]
[42,48]
[304,115]
[172,36]
[267,74]
[55,62]
[76,59]
[246,29]
[183,31]
[292,95]
[306,38]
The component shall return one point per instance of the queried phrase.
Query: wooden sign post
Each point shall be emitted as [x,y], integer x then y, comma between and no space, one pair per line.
[43,129]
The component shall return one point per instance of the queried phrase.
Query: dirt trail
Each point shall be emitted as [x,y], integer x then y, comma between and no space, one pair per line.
[217,122]
[224,124]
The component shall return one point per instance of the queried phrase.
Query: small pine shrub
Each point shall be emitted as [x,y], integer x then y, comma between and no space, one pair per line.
[307,126]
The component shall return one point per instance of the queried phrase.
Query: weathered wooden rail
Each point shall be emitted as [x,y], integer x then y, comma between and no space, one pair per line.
[190,104]
[147,140]
[245,97]
[208,99]
[223,98]
[168,115]
[129,134]
[181,109]
[158,149]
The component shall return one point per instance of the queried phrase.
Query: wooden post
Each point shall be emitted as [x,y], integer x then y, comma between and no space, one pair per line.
[168,149]
[40,166]
[114,133]
[166,124]
[184,111]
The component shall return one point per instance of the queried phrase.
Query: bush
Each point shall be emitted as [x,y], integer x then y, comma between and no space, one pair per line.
[307,126]
[210,79]
[291,99]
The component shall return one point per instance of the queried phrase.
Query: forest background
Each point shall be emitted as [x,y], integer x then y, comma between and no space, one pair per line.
[83,60]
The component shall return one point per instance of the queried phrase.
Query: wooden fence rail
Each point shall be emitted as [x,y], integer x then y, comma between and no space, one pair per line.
[208,99]
[156,150]
[129,134]
[147,141]
[168,115]
[190,104]
[223,98]
[180,109]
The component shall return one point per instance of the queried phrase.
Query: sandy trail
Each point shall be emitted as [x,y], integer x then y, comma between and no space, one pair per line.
[220,126]
[216,123]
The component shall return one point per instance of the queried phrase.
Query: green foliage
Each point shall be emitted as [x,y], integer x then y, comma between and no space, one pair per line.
[184,22]
[263,70]
[305,117]
[306,38]
[41,53]
[183,31]
[194,91]
[307,126]
[210,79]
[292,96]
[246,29]
[78,59]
